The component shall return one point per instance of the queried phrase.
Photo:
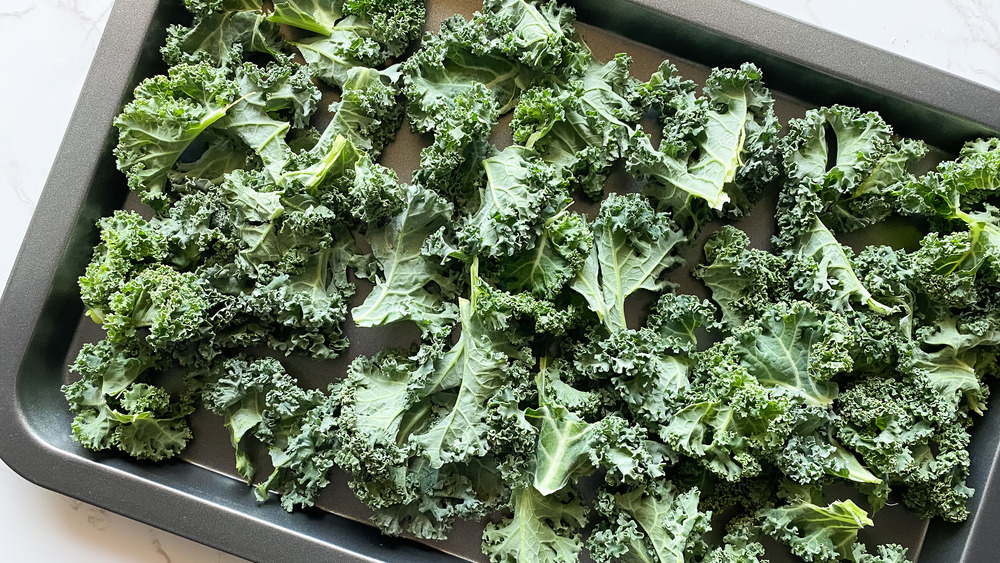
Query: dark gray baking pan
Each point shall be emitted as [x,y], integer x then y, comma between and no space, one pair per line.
[197,497]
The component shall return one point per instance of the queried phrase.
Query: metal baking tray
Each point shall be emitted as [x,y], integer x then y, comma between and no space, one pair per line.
[197,496]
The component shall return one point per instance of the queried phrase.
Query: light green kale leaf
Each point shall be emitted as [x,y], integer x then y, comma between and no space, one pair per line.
[520,194]
[742,279]
[317,16]
[559,254]
[656,522]
[719,148]
[214,37]
[818,533]
[834,279]
[166,115]
[581,128]
[404,290]
[281,86]
[542,528]
[844,165]
[633,247]
[115,410]
[798,348]
[464,379]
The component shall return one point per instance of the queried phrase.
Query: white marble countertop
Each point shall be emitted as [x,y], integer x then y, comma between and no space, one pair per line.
[45,50]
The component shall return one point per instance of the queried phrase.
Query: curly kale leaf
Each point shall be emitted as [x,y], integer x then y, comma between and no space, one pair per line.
[137,298]
[938,487]
[287,272]
[172,306]
[952,268]
[280,86]
[439,497]
[891,277]
[508,310]
[834,280]
[726,420]
[366,119]
[140,284]
[371,32]
[536,33]
[201,227]
[411,286]
[737,425]
[677,318]
[330,57]
[843,165]
[366,29]
[115,409]
[506,48]
[911,434]
[316,16]
[295,424]
[239,396]
[797,348]
[715,149]
[144,425]
[452,164]
[448,65]
[559,253]
[742,279]
[214,38]
[208,7]
[380,400]
[813,456]
[519,195]
[888,553]
[302,467]
[967,180]
[740,544]
[657,522]
[425,436]
[166,115]
[463,380]
[817,268]
[128,245]
[633,247]
[564,445]
[818,533]
[221,156]
[304,307]
[581,128]
[949,352]
[648,380]
[368,113]
[569,447]
[381,408]
[961,254]
[384,405]
[542,528]
[375,193]
[321,168]
[394,23]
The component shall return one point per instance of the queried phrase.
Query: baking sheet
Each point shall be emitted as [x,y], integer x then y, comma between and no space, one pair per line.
[197,496]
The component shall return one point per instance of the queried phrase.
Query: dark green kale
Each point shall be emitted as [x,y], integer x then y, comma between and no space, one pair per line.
[716,149]
[556,383]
